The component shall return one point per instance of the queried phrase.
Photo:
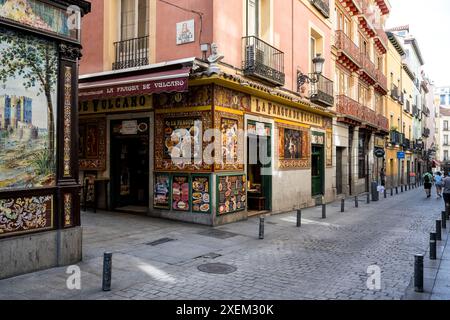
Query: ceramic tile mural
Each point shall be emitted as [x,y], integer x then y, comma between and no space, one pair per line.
[39,15]
[28,77]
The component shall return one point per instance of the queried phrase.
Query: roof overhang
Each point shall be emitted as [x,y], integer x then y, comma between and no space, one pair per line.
[170,76]
[393,39]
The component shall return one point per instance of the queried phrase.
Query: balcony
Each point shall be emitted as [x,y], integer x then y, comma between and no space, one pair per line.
[355,113]
[263,61]
[322,91]
[368,69]
[383,5]
[406,144]
[348,51]
[426,133]
[131,53]
[415,110]
[394,92]
[381,41]
[323,6]
[381,84]
[408,106]
[353,7]
[382,123]
[366,19]
[396,137]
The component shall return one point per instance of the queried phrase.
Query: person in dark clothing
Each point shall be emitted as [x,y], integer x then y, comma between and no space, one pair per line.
[446,189]
[428,183]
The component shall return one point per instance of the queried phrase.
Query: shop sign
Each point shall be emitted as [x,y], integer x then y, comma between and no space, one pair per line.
[272,109]
[162,191]
[129,127]
[318,138]
[136,103]
[185,32]
[379,153]
[400,155]
[178,84]
[379,142]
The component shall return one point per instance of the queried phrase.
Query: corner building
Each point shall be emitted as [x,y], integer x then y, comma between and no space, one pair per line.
[152,69]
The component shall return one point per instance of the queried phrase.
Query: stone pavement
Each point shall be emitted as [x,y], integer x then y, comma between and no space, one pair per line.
[324,259]
[436,272]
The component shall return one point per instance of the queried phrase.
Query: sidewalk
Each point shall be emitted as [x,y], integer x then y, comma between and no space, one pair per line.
[436,272]
[324,259]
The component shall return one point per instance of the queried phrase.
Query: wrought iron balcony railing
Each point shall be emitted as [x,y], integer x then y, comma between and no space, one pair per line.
[348,107]
[381,79]
[394,92]
[131,53]
[323,6]
[346,45]
[426,133]
[263,61]
[396,137]
[368,66]
[322,91]
[383,123]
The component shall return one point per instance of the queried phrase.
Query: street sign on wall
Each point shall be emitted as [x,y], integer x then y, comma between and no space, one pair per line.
[400,155]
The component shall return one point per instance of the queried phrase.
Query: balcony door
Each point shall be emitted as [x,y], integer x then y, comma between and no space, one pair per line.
[132,47]
[253,7]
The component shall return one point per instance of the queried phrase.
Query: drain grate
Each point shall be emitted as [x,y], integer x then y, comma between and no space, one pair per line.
[160,241]
[211,255]
[270,222]
[218,234]
[217,268]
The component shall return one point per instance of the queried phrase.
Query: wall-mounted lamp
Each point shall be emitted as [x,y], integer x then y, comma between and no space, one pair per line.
[318,63]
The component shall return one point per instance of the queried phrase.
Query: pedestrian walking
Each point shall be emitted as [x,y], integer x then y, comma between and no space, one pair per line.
[446,189]
[428,183]
[438,183]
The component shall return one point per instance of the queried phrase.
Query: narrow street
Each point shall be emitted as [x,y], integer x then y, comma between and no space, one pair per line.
[324,259]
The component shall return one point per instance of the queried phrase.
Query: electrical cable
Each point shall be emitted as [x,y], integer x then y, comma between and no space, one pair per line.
[200,14]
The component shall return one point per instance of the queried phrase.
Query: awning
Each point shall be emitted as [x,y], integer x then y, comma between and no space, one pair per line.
[157,82]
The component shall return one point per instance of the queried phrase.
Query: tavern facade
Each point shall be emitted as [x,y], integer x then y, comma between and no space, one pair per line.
[256,78]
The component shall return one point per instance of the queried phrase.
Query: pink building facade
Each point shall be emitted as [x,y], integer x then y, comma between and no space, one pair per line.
[152,67]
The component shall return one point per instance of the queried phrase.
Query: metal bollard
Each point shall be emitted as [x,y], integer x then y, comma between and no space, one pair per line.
[396,190]
[385,193]
[299,218]
[356,202]
[447,211]
[401,188]
[324,210]
[432,246]
[107,269]
[438,230]
[392,192]
[342,205]
[261,228]
[443,220]
[368,198]
[418,273]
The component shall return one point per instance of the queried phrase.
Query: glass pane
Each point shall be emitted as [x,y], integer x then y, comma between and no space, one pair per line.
[127,19]
[252,17]
[143,21]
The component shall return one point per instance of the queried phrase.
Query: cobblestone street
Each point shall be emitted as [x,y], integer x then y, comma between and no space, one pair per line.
[324,259]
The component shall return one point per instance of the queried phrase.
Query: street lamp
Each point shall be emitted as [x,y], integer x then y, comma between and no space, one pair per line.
[318,63]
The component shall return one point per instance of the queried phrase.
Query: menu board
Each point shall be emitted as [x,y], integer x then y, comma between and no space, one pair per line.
[231,194]
[162,191]
[201,200]
[290,144]
[180,193]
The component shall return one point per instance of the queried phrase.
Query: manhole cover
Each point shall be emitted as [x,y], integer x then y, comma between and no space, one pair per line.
[160,241]
[217,268]
[218,234]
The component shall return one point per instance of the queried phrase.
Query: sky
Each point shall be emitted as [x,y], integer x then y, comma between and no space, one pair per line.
[429,22]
